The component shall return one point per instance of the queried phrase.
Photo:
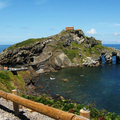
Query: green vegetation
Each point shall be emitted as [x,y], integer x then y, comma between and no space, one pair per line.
[64,32]
[71,53]
[85,50]
[68,106]
[5,81]
[26,43]
[97,49]
[8,81]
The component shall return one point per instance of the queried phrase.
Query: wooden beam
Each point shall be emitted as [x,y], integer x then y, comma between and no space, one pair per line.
[85,114]
[15,105]
[43,109]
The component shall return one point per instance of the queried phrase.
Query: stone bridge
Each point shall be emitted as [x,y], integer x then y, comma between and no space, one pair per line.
[108,55]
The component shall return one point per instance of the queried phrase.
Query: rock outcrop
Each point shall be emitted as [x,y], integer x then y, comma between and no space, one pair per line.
[68,48]
[27,54]
[62,60]
[92,62]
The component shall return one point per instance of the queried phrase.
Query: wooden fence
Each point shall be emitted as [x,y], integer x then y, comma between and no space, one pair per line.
[43,109]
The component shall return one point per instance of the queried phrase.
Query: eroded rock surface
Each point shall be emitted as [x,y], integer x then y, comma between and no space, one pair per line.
[68,48]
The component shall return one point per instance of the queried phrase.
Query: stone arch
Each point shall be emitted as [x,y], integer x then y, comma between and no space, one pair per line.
[109,56]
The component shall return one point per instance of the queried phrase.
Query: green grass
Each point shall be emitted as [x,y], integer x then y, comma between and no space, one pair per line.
[99,47]
[20,78]
[26,43]
[71,53]
[53,46]
[6,81]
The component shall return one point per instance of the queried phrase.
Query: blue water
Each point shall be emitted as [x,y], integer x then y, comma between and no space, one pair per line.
[98,85]
[116,46]
[2,47]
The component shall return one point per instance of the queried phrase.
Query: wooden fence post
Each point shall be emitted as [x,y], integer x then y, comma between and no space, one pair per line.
[85,113]
[41,108]
[15,105]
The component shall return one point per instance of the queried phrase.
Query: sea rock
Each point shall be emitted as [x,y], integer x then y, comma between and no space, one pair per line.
[61,98]
[91,62]
[65,80]
[57,95]
[108,57]
[118,56]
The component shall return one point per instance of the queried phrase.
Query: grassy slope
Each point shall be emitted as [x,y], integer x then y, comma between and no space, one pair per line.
[85,52]
[8,81]
[26,43]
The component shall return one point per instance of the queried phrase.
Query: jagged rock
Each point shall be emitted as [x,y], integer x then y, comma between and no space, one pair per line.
[108,57]
[86,46]
[118,56]
[114,52]
[91,62]
[24,54]
[69,39]
[62,60]
[61,98]
[51,53]
[66,43]
[92,42]
[78,37]
[57,95]
[32,71]
[65,80]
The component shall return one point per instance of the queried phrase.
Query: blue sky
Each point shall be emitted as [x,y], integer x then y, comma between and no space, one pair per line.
[24,19]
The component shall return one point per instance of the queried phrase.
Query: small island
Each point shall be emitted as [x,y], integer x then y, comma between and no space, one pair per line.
[68,48]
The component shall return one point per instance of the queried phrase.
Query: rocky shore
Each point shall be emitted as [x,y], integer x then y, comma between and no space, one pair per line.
[68,48]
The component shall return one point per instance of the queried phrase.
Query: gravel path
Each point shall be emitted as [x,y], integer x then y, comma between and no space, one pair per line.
[7,113]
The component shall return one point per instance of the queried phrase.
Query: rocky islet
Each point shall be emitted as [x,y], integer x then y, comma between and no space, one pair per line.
[68,48]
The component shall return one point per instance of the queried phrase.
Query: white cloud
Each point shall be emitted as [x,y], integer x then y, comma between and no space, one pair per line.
[116,34]
[39,2]
[3,4]
[92,31]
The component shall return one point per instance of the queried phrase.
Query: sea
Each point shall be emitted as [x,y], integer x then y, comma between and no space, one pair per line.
[2,47]
[99,86]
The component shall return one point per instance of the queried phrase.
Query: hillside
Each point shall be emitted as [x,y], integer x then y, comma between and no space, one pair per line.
[68,48]
[8,81]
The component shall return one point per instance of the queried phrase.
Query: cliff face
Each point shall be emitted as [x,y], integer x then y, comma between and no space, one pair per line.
[68,48]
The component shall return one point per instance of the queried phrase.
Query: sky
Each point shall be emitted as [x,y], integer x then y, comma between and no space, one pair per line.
[24,19]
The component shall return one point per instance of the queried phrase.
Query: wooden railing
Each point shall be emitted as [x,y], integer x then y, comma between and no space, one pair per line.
[43,109]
